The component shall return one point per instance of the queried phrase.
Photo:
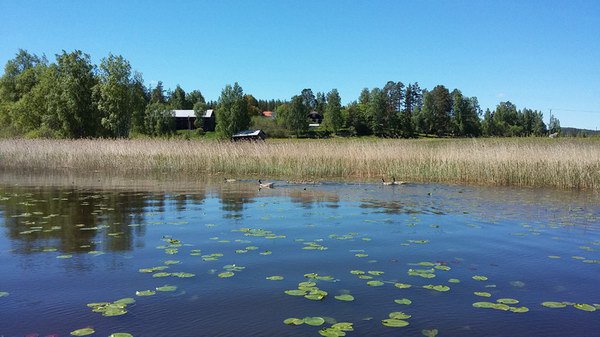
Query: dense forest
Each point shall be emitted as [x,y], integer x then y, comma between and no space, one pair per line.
[73,98]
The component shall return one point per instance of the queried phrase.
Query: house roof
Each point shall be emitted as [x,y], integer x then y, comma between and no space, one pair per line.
[190,113]
[267,113]
[247,133]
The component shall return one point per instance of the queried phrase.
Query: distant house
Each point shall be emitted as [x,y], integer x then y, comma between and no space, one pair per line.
[249,135]
[315,117]
[184,120]
[268,114]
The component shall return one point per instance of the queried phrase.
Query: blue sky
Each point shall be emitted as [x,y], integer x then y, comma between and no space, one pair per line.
[537,54]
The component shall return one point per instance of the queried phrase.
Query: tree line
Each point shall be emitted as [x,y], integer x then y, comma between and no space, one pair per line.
[73,98]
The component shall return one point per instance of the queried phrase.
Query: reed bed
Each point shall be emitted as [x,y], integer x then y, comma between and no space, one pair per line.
[559,163]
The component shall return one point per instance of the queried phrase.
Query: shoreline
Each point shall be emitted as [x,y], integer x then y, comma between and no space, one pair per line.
[522,162]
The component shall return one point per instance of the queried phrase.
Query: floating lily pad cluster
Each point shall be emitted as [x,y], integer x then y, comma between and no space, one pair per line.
[230,270]
[397,319]
[83,332]
[4,293]
[211,257]
[335,330]
[580,306]
[439,287]
[309,289]
[348,236]
[258,232]
[428,272]
[116,308]
[502,304]
[313,246]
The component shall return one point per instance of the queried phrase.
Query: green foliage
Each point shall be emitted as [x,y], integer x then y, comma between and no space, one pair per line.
[178,100]
[70,98]
[113,95]
[437,106]
[554,125]
[269,126]
[295,116]
[333,112]
[158,120]
[232,112]
[376,111]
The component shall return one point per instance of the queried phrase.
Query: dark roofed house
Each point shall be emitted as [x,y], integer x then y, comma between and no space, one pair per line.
[184,120]
[249,135]
[315,117]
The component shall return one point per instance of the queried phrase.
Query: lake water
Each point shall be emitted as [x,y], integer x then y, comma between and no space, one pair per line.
[68,242]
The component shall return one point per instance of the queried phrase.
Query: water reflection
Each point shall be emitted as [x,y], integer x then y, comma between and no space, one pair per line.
[108,214]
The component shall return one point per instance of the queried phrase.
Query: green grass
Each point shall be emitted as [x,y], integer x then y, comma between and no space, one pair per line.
[560,163]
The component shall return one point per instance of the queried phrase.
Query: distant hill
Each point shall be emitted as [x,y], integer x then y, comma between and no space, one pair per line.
[575,132]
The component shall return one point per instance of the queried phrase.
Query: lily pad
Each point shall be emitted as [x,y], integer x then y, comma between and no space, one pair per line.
[584,307]
[507,301]
[357,272]
[554,304]
[82,332]
[331,332]
[482,294]
[483,305]
[399,315]
[437,287]
[375,283]
[394,323]
[480,278]
[293,321]
[314,321]
[404,301]
[4,293]
[429,332]
[454,280]
[183,275]
[402,285]
[344,326]
[519,309]
[226,274]
[166,288]
[296,292]
[121,334]
[145,293]
[345,297]
[275,278]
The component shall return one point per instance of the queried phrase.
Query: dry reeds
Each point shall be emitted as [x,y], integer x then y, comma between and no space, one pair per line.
[561,163]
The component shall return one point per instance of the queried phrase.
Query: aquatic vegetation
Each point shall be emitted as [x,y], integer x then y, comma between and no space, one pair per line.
[482,294]
[82,332]
[437,287]
[554,304]
[584,307]
[116,308]
[429,332]
[274,278]
[375,283]
[166,287]
[480,278]
[145,292]
[404,301]
[344,297]
[4,293]
[402,285]
[120,334]
[314,321]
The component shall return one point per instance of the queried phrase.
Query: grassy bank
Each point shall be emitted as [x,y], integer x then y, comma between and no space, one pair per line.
[561,163]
